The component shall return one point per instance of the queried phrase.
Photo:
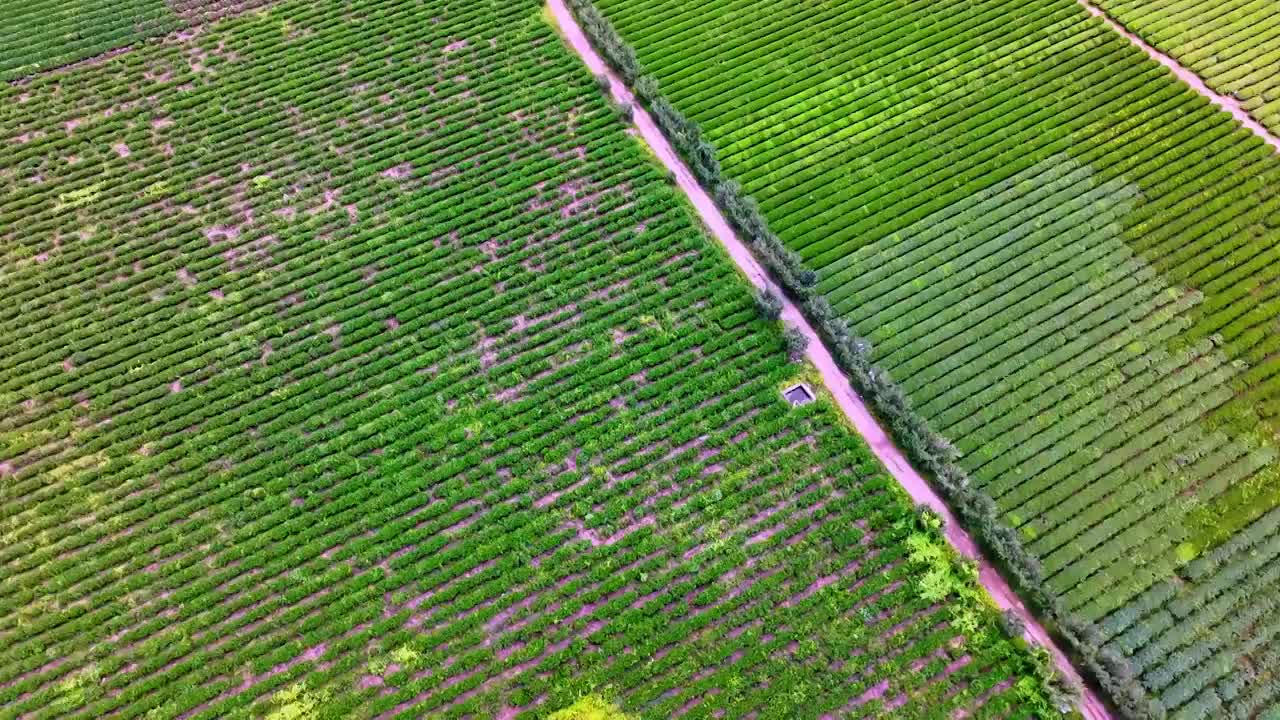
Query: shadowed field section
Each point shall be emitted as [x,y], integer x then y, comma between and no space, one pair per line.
[1058,363]
[1207,641]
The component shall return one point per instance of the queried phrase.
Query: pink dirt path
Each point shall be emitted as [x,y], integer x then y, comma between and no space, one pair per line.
[1226,102]
[837,384]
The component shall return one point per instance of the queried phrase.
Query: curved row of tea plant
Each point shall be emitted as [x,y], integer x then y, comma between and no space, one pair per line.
[1002,268]
[1234,45]
[364,367]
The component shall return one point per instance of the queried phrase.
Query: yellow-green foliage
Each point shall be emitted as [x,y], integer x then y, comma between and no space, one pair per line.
[78,689]
[80,198]
[160,188]
[943,577]
[591,707]
[405,657]
[938,581]
[296,703]
[78,465]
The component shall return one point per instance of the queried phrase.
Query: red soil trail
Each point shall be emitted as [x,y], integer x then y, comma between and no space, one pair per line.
[1226,102]
[835,380]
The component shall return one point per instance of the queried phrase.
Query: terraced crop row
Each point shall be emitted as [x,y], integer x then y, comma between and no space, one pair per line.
[360,365]
[1065,257]
[1233,45]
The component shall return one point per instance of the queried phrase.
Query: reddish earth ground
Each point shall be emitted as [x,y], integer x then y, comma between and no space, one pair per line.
[1226,102]
[837,384]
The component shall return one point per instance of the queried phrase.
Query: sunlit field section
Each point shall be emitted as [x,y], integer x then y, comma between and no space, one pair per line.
[1234,46]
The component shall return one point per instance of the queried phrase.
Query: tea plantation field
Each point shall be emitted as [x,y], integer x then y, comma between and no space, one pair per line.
[1234,46]
[1069,262]
[358,363]
[45,34]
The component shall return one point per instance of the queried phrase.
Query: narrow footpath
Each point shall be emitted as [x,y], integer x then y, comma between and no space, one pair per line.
[1188,76]
[837,384]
